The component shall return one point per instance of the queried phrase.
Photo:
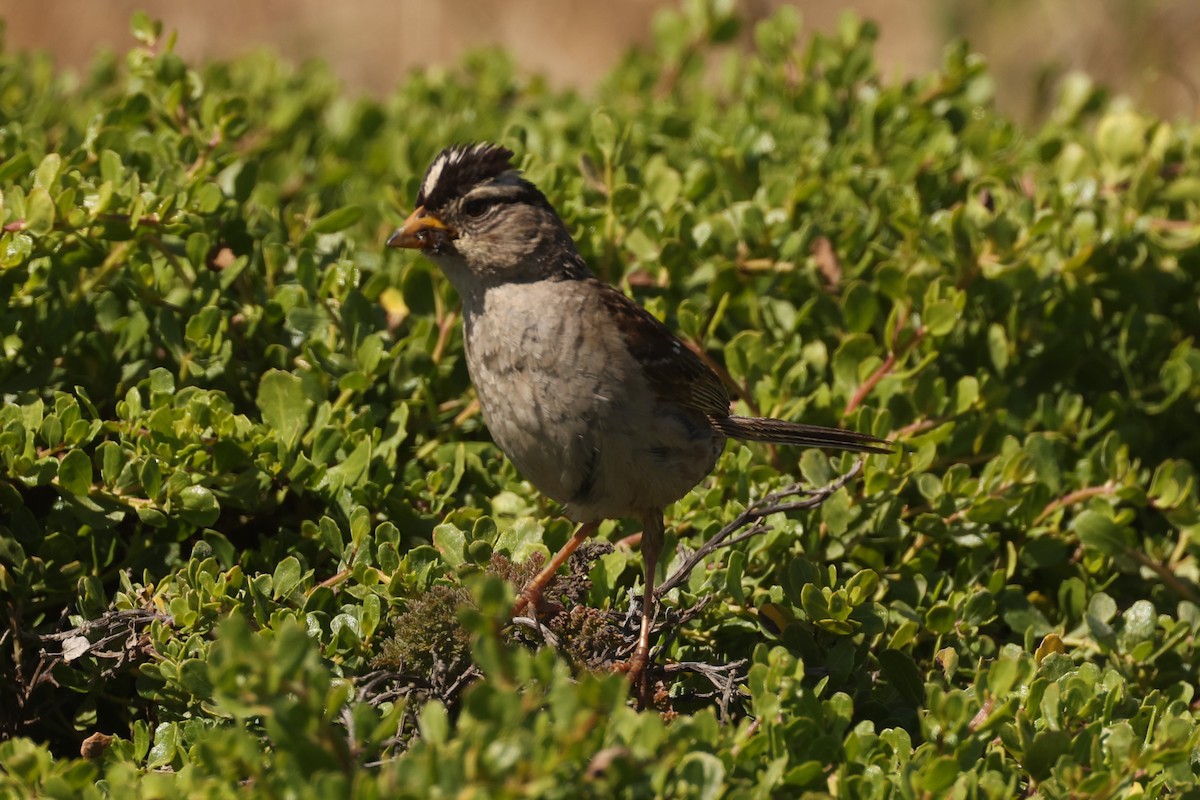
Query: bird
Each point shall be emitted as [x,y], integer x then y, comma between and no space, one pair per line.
[593,399]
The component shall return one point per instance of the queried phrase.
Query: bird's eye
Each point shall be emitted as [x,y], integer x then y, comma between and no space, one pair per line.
[476,207]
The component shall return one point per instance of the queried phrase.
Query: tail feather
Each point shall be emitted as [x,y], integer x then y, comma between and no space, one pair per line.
[778,431]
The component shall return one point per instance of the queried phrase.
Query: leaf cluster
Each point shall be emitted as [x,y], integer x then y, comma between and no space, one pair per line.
[239,457]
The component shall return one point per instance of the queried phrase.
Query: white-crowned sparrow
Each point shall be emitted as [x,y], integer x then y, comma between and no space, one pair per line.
[592,398]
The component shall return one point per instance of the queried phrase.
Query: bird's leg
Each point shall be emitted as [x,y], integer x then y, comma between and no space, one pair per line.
[532,592]
[652,544]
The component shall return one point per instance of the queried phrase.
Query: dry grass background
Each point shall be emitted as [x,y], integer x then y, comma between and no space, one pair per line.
[1143,48]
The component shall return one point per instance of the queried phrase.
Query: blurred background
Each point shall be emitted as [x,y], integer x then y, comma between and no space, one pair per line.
[1145,49]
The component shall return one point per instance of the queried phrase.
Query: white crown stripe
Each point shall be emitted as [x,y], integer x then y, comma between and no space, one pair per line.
[453,157]
[435,172]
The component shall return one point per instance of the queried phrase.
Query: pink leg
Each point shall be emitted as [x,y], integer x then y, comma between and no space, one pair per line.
[652,544]
[533,590]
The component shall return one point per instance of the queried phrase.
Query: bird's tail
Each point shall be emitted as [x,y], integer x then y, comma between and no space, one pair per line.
[778,431]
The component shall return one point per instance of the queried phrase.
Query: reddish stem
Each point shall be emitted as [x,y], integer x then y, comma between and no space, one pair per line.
[1077,496]
[879,374]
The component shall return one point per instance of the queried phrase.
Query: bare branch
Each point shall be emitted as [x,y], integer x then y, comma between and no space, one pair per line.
[752,516]
[531,622]
[93,638]
[723,677]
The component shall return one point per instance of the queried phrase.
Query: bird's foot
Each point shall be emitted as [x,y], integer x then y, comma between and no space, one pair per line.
[529,597]
[531,594]
[635,670]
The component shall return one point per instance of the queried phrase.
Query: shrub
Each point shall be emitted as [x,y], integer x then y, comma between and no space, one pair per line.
[238,443]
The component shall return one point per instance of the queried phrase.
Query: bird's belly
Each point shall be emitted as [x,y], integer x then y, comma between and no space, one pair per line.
[587,432]
[541,441]
[599,462]
[646,468]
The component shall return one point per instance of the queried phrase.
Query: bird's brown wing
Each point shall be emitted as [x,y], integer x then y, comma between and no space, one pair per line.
[674,372]
[677,375]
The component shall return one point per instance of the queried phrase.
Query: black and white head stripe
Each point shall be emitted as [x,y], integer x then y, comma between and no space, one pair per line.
[460,167]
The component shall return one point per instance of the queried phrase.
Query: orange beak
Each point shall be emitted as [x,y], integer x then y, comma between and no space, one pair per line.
[419,231]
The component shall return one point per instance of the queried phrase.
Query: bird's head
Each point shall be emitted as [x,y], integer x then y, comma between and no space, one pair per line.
[483,223]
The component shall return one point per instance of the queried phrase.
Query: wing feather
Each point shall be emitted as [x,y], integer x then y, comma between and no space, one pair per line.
[675,373]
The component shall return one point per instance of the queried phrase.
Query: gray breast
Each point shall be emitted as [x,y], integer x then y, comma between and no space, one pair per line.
[567,404]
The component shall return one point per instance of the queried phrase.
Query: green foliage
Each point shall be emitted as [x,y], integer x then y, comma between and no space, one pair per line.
[239,458]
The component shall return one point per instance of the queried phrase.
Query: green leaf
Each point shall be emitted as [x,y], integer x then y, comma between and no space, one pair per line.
[901,672]
[47,172]
[360,525]
[938,775]
[604,134]
[145,29]
[997,341]
[16,249]
[1045,750]
[734,569]
[112,461]
[39,212]
[700,775]
[292,647]
[1102,607]
[372,611]
[1140,620]
[450,542]
[860,306]
[941,618]
[102,201]
[1172,484]
[286,578]
[1099,532]
[207,198]
[330,536]
[51,430]
[284,405]
[813,601]
[369,353]
[940,318]
[337,220]
[166,746]
[815,467]
[162,386]
[152,517]
[662,182]
[862,586]
[434,723]
[150,477]
[353,469]
[198,505]
[75,472]
[193,676]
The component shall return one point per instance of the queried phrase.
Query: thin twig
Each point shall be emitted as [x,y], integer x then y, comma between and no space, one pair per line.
[126,619]
[469,675]
[886,367]
[1168,577]
[113,626]
[385,686]
[1071,498]
[445,328]
[723,677]
[704,668]
[922,425]
[342,574]
[760,509]
[530,622]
